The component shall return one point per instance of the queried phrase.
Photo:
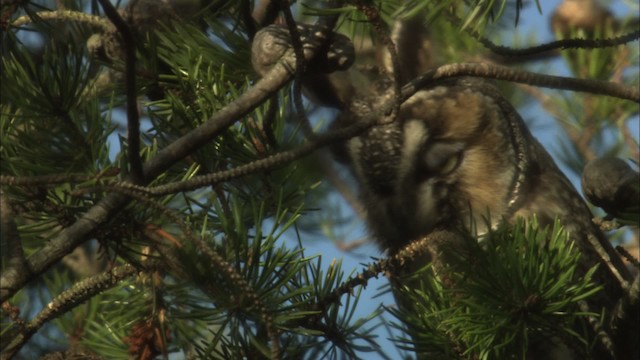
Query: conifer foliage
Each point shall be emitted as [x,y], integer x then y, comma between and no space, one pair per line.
[156,192]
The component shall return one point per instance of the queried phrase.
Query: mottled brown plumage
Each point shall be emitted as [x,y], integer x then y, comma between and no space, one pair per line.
[459,151]
[459,154]
[456,155]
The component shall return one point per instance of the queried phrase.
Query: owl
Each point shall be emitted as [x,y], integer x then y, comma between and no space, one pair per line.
[458,155]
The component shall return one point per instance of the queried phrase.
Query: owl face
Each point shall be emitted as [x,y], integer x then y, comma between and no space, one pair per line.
[445,160]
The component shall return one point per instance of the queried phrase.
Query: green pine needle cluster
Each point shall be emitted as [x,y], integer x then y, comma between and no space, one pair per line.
[463,312]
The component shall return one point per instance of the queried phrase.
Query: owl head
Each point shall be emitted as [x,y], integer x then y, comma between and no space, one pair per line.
[453,156]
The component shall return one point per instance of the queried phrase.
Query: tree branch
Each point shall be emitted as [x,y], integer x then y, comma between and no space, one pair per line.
[220,264]
[16,260]
[296,44]
[133,118]
[371,12]
[11,281]
[498,72]
[65,15]
[67,300]
[269,163]
[626,320]
[55,179]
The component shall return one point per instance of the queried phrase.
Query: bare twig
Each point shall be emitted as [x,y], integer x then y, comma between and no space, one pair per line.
[55,179]
[269,163]
[555,45]
[606,225]
[542,51]
[296,43]
[373,15]
[65,15]
[633,260]
[133,118]
[16,260]
[498,72]
[603,336]
[626,320]
[411,251]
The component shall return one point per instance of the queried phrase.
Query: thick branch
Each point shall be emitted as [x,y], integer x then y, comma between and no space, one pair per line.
[268,163]
[64,15]
[133,118]
[296,43]
[55,179]
[9,232]
[496,72]
[80,231]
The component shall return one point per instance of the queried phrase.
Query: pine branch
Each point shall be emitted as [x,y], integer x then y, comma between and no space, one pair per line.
[498,72]
[77,233]
[64,15]
[51,180]
[69,299]
[222,265]
[375,20]
[299,315]
[133,118]
[16,259]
